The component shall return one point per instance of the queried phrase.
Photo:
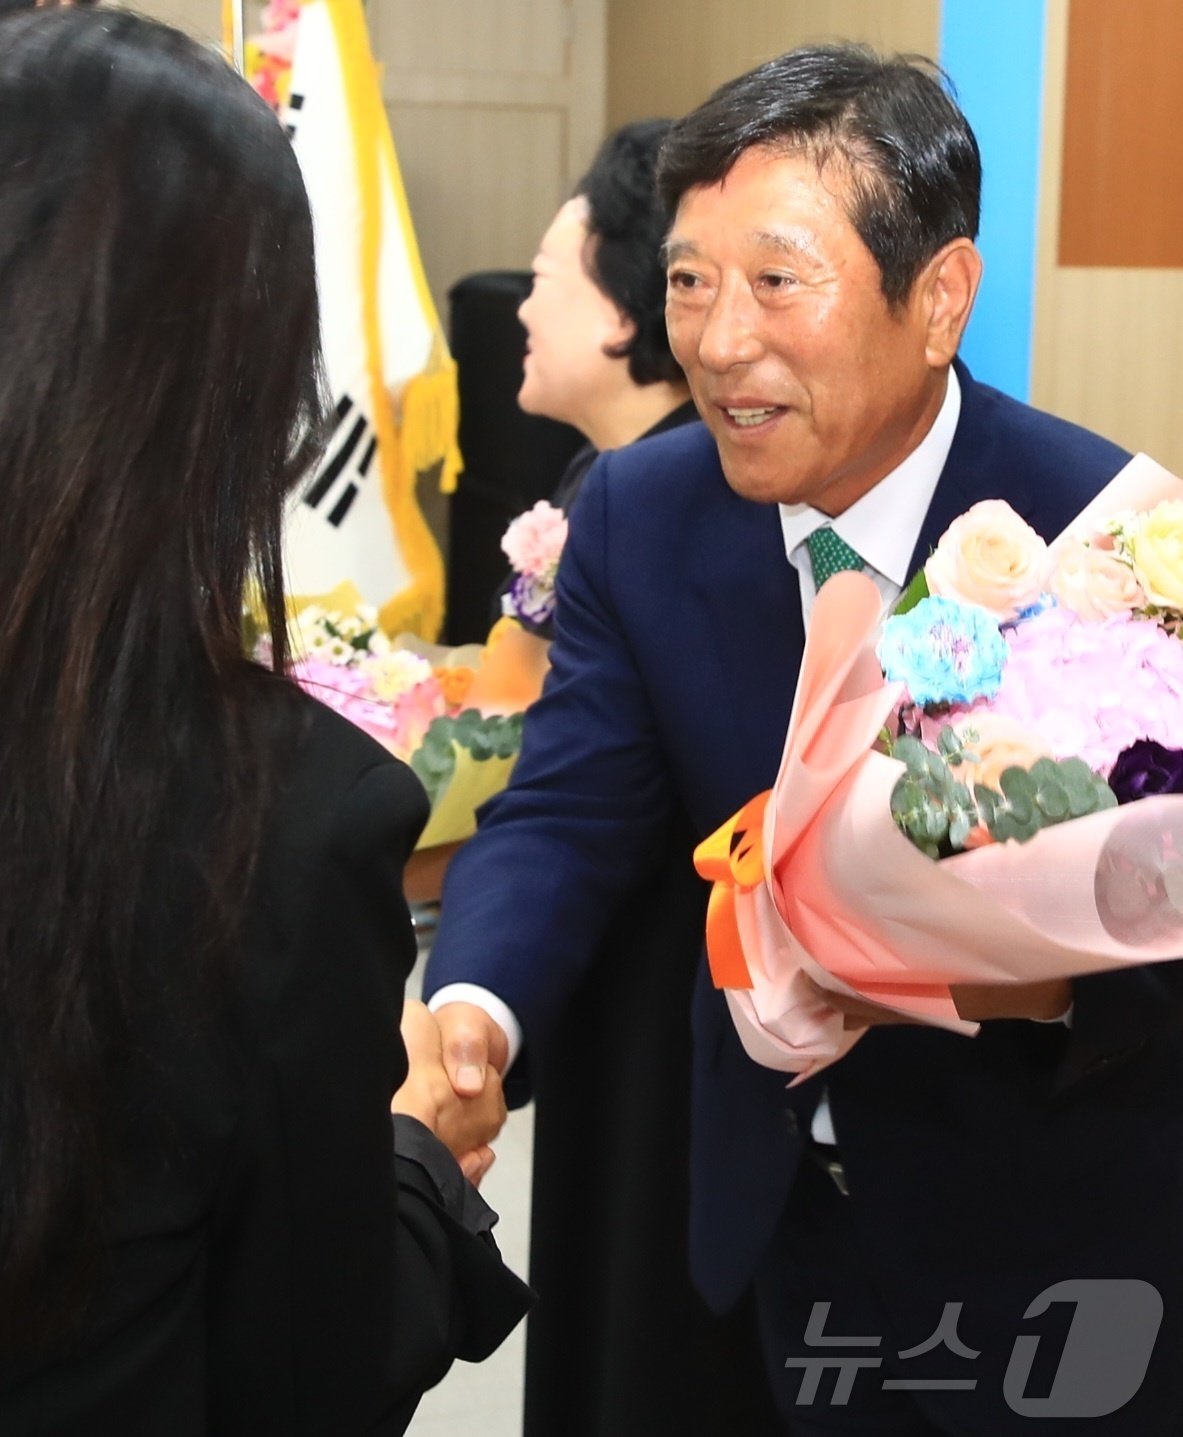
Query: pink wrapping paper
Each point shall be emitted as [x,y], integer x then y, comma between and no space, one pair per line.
[848,901]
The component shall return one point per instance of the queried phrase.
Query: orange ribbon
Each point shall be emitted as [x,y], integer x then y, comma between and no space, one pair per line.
[732,858]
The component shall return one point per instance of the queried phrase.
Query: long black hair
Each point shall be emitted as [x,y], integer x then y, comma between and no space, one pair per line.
[160,395]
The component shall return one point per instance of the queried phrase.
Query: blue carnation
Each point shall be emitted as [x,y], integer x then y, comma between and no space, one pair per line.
[944,652]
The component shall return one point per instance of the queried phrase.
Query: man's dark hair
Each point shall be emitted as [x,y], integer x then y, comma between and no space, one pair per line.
[915,171]
[627,224]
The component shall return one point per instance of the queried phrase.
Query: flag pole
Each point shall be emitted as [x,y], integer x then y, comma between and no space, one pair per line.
[238,35]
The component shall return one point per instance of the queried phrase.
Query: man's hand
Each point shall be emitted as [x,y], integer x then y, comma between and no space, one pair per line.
[976,1002]
[475,1047]
[1041,1002]
[855,1013]
[464,1124]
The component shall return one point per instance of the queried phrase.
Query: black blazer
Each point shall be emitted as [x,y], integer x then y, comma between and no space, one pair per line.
[281,1258]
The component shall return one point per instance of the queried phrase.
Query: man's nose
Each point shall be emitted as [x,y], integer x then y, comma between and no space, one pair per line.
[731,333]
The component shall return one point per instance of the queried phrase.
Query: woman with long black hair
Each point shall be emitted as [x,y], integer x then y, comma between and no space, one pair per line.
[205,1222]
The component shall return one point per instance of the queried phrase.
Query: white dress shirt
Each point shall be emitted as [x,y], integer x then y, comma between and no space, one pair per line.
[882,527]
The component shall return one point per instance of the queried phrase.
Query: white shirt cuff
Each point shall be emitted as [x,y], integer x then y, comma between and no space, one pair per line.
[479,997]
[1065,1017]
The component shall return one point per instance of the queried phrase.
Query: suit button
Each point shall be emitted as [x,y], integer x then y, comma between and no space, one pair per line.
[791,1123]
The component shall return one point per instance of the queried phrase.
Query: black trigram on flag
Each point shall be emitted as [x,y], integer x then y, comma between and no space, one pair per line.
[295,105]
[350,454]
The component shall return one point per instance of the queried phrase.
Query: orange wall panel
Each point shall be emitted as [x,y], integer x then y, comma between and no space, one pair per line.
[1122,188]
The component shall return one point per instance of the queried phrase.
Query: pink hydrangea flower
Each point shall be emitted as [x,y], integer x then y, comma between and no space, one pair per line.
[399,720]
[534,541]
[1091,689]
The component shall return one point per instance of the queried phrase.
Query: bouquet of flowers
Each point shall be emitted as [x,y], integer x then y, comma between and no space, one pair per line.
[431,707]
[1002,721]
[533,544]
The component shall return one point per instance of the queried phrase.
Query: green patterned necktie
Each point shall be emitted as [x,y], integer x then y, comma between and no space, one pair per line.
[830,555]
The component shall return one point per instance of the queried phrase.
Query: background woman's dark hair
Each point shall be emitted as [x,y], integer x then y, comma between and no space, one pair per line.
[159,396]
[913,161]
[627,224]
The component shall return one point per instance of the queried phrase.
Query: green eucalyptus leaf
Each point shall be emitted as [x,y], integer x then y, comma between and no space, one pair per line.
[913,594]
[959,829]
[1052,800]
[936,768]
[962,796]
[912,752]
[906,797]
[468,722]
[1017,784]
[948,743]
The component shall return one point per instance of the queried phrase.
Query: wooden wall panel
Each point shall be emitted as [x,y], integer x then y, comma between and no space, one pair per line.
[1108,343]
[474,37]
[464,216]
[497,107]
[1123,108]
[200,18]
[665,56]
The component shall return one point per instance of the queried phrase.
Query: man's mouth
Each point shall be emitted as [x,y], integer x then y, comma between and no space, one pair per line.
[751,416]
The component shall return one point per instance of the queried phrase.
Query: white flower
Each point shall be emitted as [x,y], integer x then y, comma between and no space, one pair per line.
[395,673]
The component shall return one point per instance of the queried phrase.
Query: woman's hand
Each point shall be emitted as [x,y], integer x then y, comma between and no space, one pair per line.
[465,1125]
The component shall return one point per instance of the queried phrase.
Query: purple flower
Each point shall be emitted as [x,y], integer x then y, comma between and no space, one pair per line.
[530,599]
[1145,769]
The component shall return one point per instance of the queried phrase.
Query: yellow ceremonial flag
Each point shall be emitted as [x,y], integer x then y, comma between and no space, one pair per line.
[392,378]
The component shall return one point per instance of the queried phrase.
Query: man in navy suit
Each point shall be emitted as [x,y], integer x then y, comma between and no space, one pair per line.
[943,1235]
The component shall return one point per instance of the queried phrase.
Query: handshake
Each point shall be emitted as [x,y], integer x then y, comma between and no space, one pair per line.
[453,1084]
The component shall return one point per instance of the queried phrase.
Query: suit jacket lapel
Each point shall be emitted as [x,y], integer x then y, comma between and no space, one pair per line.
[975,470]
[751,598]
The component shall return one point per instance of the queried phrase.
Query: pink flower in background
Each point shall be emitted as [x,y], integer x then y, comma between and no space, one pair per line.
[1091,689]
[991,557]
[1092,581]
[395,702]
[533,543]
[281,23]
[998,743]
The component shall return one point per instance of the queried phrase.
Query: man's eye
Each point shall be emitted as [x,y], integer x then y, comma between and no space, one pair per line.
[682,279]
[777,281]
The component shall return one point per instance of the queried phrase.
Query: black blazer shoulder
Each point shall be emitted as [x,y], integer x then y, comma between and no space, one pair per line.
[282,1257]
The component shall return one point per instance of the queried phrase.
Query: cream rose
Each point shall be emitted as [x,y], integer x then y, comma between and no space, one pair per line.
[1156,548]
[1092,582]
[997,744]
[990,557]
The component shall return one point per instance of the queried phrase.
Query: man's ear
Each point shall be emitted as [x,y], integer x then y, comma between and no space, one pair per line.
[948,286]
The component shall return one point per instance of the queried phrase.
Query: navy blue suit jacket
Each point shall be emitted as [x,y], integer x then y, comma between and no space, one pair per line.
[679,636]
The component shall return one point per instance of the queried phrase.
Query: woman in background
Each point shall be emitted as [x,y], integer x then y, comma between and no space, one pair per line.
[597,355]
[206,1222]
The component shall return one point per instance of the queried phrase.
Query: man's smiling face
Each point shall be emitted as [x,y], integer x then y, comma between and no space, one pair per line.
[813,387]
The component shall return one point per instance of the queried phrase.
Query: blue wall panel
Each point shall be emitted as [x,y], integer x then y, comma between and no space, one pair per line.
[993,50]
